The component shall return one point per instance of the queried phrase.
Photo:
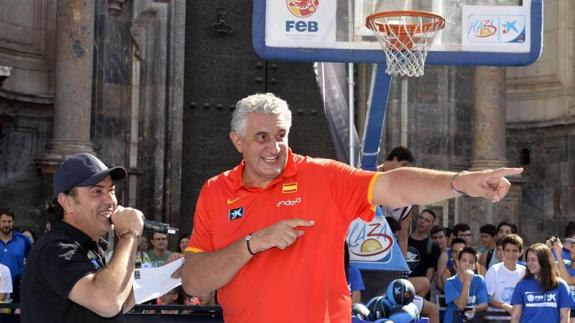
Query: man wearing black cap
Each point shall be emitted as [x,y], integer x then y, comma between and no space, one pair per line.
[66,278]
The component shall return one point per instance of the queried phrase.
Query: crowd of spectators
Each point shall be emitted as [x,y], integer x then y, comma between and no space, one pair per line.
[497,275]
[449,270]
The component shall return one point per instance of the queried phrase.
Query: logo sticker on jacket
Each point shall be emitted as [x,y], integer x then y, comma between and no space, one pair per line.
[293,202]
[95,260]
[232,201]
[234,214]
[289,188]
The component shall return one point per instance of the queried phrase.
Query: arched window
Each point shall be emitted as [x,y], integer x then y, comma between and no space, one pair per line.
[525,156]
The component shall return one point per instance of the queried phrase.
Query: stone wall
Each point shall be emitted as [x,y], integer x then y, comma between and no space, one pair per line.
[548,156]
[27,44]
[541,127]
[25,129]
[542,94]
[26,98]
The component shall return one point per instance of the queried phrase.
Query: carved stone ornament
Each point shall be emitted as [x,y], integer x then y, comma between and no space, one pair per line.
[115,7]
[138,37]
[220,25]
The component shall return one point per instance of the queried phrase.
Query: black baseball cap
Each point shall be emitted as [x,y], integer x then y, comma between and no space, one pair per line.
[81,170]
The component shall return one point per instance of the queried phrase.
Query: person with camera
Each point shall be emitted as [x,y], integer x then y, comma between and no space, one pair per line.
[565,266]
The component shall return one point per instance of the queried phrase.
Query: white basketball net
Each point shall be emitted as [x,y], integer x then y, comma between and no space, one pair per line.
[405,39]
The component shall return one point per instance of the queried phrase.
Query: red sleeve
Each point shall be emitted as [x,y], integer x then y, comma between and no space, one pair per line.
[352,189]
[201,239]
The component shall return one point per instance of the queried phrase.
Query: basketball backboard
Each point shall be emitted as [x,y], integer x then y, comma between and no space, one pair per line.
[477,32]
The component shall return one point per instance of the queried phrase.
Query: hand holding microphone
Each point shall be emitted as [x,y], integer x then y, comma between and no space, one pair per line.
[126,219]
[123,219]
[158,227]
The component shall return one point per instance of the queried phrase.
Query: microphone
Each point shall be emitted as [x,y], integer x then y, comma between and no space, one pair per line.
[158,227]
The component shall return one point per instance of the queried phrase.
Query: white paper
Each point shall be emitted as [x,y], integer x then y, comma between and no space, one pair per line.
[150,283]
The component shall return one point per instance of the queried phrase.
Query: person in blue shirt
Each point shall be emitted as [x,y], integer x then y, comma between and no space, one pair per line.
[356,285]
[353,277]
[465,293]
[14,248]
[569,239]
[564,252]
[541,296]
[566,266]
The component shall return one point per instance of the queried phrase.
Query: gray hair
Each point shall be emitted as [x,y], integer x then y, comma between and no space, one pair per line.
[261,103]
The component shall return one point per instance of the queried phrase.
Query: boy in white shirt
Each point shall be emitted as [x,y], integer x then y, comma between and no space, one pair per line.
[5,284]
[501,278]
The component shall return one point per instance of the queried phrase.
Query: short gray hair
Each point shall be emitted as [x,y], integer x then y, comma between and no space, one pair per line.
[261,103]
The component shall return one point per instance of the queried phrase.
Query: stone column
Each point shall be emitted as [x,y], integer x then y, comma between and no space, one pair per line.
[73,96]
[489,118]
[489,149]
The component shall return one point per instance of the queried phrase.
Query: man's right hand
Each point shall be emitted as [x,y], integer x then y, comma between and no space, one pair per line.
[467,275]
[126,219]
[279,235]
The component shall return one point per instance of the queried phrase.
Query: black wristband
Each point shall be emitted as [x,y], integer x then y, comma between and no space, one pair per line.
[248,238]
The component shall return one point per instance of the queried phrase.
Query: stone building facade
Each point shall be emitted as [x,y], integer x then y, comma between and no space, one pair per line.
[150,84]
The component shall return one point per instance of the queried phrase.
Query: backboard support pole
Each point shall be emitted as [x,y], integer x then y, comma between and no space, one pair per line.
[379,95]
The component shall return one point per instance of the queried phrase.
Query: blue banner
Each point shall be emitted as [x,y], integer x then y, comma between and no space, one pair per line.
[372,245]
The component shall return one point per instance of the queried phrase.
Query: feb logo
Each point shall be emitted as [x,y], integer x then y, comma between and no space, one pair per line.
[302,8]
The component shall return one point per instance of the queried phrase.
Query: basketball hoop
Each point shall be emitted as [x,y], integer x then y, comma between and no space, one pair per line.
[405,37]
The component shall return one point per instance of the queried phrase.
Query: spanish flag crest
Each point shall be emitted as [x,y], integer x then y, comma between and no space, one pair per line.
[289,188]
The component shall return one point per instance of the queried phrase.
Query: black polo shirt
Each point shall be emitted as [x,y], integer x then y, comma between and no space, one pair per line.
[56,262]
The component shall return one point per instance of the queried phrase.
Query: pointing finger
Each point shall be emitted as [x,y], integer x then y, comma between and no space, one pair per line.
[502,172]
[300,223]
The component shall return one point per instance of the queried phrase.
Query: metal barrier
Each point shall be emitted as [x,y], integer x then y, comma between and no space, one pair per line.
[150,314]
[491,315]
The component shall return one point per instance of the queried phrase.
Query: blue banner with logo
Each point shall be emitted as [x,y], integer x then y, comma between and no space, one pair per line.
[372,245]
